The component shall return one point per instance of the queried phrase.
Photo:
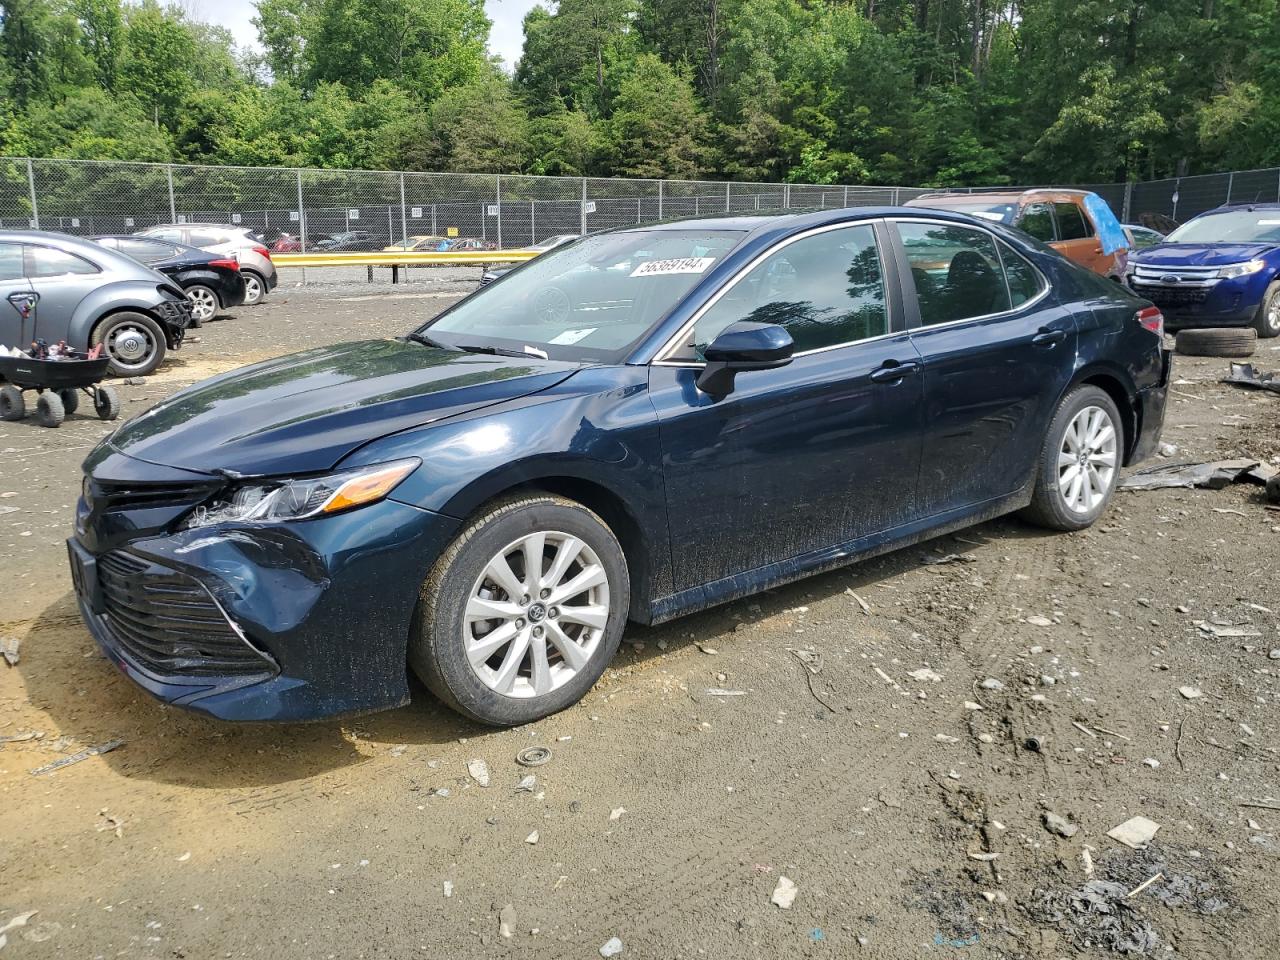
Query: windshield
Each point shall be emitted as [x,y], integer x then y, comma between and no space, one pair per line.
[586,301]
[1239,226]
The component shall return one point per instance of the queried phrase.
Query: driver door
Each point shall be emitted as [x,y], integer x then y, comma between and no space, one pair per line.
[803,458]
[14,288]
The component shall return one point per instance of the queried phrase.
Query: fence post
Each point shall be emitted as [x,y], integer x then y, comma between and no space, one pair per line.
[497,183]
[404,226]
[173,206]
[1128,201]
[786,196]
[660,183]
[1176,188]
[533,223]
[302,217]
[726,196]
[1231,179]
[583,208]
[31,183]
[897,196]
[846,195]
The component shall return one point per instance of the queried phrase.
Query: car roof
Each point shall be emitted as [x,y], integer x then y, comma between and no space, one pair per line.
[1242,208]
[103,256]
[998,196]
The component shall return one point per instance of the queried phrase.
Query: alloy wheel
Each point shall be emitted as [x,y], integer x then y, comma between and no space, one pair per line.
[203,303]
[252,289]
[536,615]
[130,346]
[1087,459]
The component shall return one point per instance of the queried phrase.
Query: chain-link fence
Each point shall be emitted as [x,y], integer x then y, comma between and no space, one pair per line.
[89,197]
[94,197]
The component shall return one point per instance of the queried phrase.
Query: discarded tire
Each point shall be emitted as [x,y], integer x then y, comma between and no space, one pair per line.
[1226,342]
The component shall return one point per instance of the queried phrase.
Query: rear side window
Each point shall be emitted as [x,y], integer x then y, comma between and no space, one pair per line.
[48,262]
[168,234]
[1072,224]
[206,238]
[1037,220]
[1025,282]
[10,261]
[148,251]
[956,271]
[826,289]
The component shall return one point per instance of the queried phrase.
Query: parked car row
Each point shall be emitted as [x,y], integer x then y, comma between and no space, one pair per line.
[238,242]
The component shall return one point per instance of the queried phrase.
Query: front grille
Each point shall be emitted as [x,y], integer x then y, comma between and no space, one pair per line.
[133,496]
[170,624]
[1175,276]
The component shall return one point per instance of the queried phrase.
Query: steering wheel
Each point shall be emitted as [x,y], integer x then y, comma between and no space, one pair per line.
[552,305]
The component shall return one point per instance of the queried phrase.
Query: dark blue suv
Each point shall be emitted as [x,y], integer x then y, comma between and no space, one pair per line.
[634,426]
[1221,269]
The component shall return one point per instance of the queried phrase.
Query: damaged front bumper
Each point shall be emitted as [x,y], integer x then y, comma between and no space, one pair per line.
[271,622]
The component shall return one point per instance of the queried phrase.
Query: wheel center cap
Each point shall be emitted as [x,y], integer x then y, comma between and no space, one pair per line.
[537,612]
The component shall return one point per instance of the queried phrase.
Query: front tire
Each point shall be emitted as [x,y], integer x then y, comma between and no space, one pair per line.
[204,303]
[1079,464]
[134,342]
[1267,322]
[522,612]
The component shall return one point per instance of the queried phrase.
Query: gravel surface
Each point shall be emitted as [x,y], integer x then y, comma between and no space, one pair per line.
[893,739]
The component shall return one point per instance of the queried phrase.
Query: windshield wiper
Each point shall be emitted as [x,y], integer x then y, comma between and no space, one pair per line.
[426,341]
[502,351]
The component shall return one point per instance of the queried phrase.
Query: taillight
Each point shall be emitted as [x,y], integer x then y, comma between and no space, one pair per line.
[1150,318]
[228,264]
[264,251]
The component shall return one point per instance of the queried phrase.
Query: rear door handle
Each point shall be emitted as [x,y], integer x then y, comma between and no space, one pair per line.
[1048,338]
[891,371]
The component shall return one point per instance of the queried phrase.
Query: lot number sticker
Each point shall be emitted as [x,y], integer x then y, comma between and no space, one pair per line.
[683,265]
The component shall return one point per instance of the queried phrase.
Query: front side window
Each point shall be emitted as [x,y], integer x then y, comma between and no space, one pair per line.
[1072,224]
[826,289]
[591,300]
[1037,220]
[48,262]
[956,272]
[205,238]
[10,261]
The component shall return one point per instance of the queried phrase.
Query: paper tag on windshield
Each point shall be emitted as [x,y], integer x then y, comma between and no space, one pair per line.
[683,265]
[572,336]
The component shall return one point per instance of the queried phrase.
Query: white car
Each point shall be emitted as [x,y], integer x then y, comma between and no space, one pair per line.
[254,257]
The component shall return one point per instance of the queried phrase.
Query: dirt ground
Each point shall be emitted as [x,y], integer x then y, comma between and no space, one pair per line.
[894,736]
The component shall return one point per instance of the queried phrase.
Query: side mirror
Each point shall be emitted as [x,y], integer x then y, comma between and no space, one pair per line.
[743,346]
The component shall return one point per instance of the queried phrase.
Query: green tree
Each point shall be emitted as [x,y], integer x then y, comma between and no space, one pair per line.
[156,60]
[658,128]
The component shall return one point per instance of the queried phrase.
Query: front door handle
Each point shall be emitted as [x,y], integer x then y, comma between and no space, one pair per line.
[23,301]
[891,371]
[1048,338]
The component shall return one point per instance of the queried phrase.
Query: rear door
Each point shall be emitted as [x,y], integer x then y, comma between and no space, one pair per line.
[1076,238]
[14,291]
[806,456]
[997,355]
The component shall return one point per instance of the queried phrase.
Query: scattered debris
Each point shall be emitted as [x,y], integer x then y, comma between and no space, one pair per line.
[9,648]
[1221,630]
[937,561]
[527,783]
[866,607]
[532,838]
[110,822]
[1059,825]
[991,683]
[709,651]
[1168,450]
[1244,375]
[1213,475]
[1135,832]
[722,692]
[1035,744]
[616,812]
[479,771]
[507,921]
[1142,886]
[1038,621]
[925,675]
[448,888]
[611,947]
[1191,693]
[811,660]
[184,857]
[954,942]
[784,894]
[19,921]
[984,857]
[1083,729]
[26,735]
[77,757]
[1097,914]
[533,756]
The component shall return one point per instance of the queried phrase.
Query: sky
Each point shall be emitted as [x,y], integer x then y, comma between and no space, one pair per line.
[505,38]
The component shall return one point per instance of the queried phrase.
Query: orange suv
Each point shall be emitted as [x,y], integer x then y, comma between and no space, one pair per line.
[1076,223]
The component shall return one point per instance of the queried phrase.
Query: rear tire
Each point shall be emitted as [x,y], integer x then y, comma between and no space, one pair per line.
[204,303]
[12,404]
[70,400]
[1217,342]
[255,287]
[49,409]
[134,342]
[1079,464]
[1267,322]
[106,403]
[513,668]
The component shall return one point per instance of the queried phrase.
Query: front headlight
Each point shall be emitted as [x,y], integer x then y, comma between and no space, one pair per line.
[297,498]
[1241,269]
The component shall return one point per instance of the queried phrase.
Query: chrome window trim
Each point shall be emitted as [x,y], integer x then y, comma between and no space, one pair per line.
[1044,292]
[672,343]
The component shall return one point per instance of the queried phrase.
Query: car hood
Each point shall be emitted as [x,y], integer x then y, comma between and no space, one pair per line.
[1198,254]
[304,412]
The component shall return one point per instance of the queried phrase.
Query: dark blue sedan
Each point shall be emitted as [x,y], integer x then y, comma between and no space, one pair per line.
[638,425]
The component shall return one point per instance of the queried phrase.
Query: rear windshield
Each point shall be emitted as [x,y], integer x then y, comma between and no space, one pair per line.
[1239,226]
[589,301]
[986,210]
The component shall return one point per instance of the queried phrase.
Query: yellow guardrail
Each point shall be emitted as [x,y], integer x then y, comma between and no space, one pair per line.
[393,259]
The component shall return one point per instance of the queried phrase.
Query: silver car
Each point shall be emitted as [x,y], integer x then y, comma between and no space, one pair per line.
[255,259]
[87,295]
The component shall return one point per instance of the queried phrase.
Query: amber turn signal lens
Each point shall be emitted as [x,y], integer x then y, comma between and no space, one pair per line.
[369,487]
